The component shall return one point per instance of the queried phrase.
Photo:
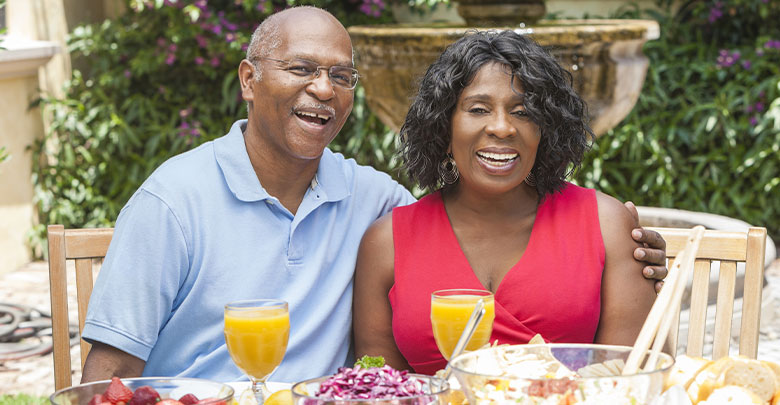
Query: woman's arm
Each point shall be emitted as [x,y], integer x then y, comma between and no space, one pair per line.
[626,296]
[372,316]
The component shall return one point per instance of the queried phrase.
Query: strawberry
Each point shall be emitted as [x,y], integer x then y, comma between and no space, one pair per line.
[117,392]
[188,399]
[144,395]
[97,399]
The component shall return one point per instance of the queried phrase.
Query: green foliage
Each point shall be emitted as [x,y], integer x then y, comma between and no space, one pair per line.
[705,133]
[22,399]
[154,83]
[370,362]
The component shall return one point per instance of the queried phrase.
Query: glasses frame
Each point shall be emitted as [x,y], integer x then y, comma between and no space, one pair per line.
[316,73]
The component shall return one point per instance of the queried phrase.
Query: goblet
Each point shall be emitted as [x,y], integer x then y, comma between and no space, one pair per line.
[450,311]
[256,333]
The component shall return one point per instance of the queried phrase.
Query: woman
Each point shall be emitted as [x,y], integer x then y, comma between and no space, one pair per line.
[496,127]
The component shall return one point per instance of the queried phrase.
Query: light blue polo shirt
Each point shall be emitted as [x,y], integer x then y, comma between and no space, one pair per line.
[201,232]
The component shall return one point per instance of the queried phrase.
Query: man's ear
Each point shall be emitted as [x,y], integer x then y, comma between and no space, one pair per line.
[246,75]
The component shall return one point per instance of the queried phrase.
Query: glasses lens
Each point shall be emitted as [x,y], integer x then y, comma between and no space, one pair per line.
[303,68]
[343,76]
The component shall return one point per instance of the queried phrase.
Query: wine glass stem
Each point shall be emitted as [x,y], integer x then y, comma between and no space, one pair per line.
[258,387]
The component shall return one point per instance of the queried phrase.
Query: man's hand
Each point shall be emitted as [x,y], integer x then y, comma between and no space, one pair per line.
[652,252]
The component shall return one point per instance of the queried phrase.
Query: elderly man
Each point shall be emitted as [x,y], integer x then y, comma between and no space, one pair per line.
[266,211]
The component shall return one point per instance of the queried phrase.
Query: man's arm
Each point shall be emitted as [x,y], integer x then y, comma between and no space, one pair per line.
[104,362]
[652,252]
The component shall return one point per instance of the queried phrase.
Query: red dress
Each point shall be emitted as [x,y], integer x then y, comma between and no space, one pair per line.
[554,289]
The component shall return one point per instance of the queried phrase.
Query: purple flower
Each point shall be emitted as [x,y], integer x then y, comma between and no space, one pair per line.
[217,29]
[184,125]
[214,61]
[202,41]
[185,112]
[244,47]
[759,52]
[230,37]
[170,59]
[746,64]
[759,106]
[161,42]
[127,73]
[201,4]
[172,47]
[753,121]
[749,109]
[727,59]
[199,60]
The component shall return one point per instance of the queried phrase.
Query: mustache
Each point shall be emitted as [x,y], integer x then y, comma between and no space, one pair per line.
[316,106]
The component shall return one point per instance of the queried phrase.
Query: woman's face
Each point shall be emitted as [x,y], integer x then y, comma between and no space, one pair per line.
[493,142]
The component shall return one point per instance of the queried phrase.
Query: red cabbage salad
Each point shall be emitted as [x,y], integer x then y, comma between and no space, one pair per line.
[370,383]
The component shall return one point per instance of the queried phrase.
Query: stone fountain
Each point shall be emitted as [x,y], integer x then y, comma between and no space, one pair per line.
[604,56]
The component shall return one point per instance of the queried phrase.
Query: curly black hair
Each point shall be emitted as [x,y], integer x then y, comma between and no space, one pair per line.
[549,100]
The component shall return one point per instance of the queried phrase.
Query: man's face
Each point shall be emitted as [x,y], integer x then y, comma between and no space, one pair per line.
[297,118]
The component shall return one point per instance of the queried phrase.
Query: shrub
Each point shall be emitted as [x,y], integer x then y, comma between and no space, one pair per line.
[705,133]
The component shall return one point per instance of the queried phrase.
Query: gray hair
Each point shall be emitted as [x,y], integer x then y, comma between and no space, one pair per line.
[265,39]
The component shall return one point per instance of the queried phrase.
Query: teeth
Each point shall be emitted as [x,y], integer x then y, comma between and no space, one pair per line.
[313,115]
[497,156]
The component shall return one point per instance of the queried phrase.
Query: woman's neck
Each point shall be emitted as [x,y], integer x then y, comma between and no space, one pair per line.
[463,203]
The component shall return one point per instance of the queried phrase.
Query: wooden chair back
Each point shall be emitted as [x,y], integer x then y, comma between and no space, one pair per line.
[729,248]
[82,246]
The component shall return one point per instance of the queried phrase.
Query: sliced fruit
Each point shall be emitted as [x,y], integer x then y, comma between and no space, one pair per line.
[281,397]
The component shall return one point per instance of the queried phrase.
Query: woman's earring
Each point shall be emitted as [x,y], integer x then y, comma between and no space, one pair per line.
[448,171]
[530,179]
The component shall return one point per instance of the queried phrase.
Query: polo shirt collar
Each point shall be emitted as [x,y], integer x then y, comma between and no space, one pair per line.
[233,159]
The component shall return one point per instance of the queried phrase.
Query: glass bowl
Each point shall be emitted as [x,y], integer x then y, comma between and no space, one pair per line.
[173,388]
[544,374]
[436,390]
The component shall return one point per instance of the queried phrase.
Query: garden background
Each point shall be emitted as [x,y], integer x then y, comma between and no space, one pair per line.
[160,79]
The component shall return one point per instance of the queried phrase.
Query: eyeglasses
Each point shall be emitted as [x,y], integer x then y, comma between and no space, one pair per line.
[341,76]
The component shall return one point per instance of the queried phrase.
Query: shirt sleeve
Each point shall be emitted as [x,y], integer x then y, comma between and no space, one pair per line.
[136,289]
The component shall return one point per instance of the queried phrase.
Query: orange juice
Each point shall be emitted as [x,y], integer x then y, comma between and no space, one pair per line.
[257,339]
[449,315]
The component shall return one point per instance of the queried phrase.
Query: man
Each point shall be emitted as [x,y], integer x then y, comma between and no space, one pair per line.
[266,211]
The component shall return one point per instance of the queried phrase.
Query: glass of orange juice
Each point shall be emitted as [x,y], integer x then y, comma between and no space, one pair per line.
[256,333]
[451,310]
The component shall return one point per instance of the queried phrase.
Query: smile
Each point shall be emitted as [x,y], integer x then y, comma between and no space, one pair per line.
[497,159]
[312,117]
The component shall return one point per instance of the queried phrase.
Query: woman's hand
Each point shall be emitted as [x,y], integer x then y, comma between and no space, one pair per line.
[652,253]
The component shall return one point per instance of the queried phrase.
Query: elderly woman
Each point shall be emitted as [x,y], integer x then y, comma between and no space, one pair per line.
[495,129]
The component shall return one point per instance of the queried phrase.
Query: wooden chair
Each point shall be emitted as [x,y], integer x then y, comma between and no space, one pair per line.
[728,248]
[81,245]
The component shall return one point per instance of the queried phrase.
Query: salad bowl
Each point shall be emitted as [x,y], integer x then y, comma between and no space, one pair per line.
[556,373]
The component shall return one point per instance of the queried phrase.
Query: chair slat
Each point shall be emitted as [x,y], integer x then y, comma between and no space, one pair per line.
[751,303]
[698,310]
[59,306]
[724,309]
[85,243]
[83,291]
[720,245]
